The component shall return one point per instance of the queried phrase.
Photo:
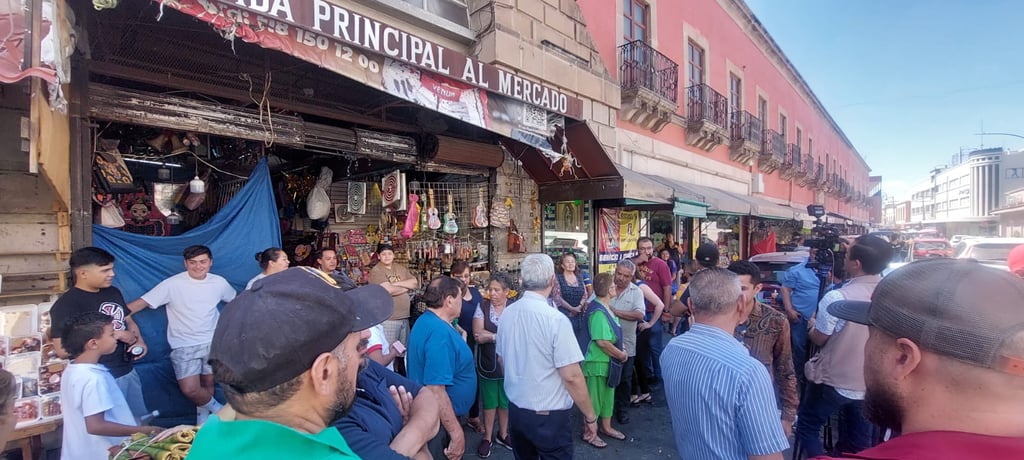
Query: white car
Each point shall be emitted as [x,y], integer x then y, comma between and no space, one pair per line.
[989,251]
[956,239]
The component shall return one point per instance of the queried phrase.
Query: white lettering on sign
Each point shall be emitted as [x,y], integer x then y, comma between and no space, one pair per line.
[271,7]
[337,22]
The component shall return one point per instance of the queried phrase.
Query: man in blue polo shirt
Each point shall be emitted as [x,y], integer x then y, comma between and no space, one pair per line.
[439,359]
[800,298]
[391,419]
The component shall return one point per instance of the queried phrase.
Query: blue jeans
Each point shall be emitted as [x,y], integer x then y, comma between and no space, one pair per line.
[798,335]
[819,403]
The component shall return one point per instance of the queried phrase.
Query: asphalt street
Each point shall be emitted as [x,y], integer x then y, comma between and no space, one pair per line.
[648,436]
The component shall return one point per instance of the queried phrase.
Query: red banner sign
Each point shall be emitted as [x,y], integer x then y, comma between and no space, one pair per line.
[332,31]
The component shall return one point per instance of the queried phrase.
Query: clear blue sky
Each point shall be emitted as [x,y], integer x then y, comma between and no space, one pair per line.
[910,82]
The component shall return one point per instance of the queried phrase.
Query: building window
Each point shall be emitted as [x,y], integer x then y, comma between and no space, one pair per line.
[799,137]
[810,146]
[735,93]
[453,10]
[695,75]
[783,122]
[762,110]
[634,21]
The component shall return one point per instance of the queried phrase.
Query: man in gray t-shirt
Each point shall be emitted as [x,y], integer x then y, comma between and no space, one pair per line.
[628,305]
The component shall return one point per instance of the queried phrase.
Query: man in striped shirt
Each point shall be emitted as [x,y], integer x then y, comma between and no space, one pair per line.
[721,399]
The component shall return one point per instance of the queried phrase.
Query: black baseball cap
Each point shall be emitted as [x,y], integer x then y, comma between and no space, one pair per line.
[953,307]
[707,254]
[274,331]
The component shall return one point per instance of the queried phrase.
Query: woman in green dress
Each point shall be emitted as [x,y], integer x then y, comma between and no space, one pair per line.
[605,348]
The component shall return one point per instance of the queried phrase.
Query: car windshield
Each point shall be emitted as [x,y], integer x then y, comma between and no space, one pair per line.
[930,246]
[992,251]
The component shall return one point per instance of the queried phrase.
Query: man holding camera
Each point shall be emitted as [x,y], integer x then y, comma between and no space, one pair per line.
[835,376]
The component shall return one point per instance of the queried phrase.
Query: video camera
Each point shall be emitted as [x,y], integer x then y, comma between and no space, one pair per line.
[829,253]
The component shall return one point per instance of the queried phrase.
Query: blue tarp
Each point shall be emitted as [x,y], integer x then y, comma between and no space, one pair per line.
[248,224]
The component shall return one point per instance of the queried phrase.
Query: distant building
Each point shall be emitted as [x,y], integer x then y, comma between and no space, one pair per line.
[961,198]
[1011,215]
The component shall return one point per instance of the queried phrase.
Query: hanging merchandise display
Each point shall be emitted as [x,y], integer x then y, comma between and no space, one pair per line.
[111,173]
[390,189]
[357,197]
[480,214]
[318,204]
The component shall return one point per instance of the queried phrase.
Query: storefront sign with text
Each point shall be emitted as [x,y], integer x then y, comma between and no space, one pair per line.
[403,75]
[331,27]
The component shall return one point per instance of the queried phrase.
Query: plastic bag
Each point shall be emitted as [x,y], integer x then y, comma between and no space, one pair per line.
[318,204]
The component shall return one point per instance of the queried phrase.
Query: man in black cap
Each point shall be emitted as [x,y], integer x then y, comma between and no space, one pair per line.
[944,361]
[286,353]
[707,257]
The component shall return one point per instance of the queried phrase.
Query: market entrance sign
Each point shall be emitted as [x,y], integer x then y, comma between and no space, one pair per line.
[334,28]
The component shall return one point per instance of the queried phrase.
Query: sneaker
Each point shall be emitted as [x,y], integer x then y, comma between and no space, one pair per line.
[484,450]
[202,414]
[505,442]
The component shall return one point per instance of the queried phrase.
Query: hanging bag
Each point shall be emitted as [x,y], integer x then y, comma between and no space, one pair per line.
[516,244]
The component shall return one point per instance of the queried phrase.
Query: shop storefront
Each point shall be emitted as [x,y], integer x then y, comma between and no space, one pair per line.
[309,136]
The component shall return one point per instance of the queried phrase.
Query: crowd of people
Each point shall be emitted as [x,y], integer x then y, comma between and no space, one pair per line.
[928,359]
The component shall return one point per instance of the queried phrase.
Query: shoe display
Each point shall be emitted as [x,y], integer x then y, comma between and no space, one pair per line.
[484,450]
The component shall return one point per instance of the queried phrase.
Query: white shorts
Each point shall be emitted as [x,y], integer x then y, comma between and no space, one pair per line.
[189,361]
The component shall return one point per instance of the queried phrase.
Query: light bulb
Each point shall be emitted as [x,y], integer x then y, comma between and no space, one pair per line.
[196,185]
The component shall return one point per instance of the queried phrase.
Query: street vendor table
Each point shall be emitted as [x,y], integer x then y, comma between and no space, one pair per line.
[30,439]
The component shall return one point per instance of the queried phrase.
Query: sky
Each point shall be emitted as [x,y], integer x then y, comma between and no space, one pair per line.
[910,82]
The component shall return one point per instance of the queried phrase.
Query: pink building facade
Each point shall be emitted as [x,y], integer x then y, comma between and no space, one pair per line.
[709,104]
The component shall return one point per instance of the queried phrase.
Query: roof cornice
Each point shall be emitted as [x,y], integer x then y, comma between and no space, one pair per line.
[745,17]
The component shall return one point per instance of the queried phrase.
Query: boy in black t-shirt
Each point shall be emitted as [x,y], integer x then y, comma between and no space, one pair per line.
[93,269]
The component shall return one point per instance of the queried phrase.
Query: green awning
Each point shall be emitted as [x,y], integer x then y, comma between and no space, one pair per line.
[687,208]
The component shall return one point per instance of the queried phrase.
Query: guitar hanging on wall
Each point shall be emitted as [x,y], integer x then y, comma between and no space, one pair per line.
[480,217]
[450,226]
[433,221]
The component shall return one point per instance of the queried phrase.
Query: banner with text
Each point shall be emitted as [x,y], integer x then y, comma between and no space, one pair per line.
[618,232]
[395,61]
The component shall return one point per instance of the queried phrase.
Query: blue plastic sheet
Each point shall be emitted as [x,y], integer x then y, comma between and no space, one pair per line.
[248,224]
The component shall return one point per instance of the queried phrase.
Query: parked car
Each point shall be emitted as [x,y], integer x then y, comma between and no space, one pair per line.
[989,251]
[956,239]
[924,248]
[773,265]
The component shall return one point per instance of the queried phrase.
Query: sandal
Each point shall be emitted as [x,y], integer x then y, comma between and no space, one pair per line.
[642,399]
[596,443]
[475,425]
[616,435]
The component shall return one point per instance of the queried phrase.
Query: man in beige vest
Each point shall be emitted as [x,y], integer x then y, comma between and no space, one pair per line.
[835,376]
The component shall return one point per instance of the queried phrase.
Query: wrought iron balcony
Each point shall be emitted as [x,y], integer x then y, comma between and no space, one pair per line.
[773,152]
[799,170]
[747,134]
[808,176]
[707,117]
[792,165]
[820,177]
[650,85]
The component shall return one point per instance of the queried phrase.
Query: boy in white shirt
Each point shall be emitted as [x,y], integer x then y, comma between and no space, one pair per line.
[191,297]
[96,415]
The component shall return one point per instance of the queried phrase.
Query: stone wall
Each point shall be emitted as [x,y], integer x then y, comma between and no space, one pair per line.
[548,40]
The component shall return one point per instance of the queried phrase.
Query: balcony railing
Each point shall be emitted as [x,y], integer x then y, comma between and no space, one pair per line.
[746,127]
[793,151]
[798,160]
[809,164]
[641,66]
[773,147]
[703,103]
